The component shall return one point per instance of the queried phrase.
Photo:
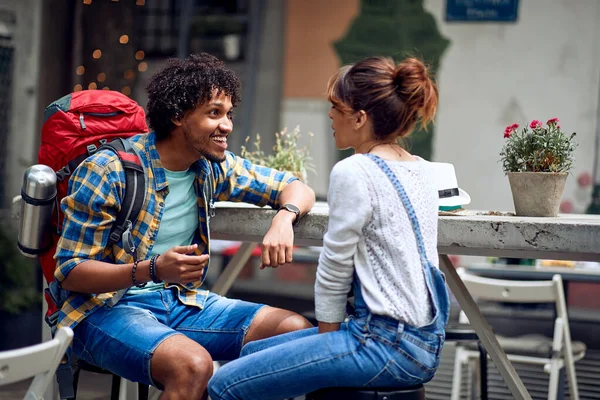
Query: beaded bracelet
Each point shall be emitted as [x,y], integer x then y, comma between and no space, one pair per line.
[153,274]
[135,264]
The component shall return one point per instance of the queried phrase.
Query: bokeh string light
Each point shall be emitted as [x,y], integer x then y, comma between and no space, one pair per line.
[128,74]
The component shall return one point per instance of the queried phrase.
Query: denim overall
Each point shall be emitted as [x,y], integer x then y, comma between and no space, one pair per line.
[368,351]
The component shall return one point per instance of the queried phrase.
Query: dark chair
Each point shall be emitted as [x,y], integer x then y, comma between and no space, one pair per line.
[81,365]
[462,333]
[360,393]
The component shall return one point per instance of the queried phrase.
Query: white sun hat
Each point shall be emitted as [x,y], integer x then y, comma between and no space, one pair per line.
[451,196]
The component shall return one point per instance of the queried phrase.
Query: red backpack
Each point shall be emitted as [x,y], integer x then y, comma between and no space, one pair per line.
[75,127]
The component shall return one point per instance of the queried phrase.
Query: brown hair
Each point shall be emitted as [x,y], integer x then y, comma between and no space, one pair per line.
[393,96]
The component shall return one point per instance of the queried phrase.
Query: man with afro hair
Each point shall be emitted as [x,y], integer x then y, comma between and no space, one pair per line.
[146,318]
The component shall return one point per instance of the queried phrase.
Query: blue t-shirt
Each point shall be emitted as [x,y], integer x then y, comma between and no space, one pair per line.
[179,221]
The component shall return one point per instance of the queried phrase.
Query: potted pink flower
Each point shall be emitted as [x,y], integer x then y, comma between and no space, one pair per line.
[537,160]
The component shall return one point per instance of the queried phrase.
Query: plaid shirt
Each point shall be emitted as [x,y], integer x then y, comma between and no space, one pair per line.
[94,199]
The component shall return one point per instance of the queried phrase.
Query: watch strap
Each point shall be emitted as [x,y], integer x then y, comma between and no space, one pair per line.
[293,209]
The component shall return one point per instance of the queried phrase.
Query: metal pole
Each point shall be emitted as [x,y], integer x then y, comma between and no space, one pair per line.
[594,207]
[23,139]
[187,11]
[484,331]
[233,269]
[255,19]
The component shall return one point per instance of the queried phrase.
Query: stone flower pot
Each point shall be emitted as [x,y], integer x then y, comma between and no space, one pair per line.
[537,194]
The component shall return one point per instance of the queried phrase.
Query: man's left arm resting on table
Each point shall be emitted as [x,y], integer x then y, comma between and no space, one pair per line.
[240,180]
[278,243]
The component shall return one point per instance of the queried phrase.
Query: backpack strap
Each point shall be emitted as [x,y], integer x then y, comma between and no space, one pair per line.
[135,191]
[66,171]
[131,206]
[209,191]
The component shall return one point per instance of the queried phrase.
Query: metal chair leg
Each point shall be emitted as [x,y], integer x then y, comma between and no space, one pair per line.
[143,391]
[483,371]
[116,385]
[76,381]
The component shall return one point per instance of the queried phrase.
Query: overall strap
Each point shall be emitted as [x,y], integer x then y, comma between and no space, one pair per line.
[407,205]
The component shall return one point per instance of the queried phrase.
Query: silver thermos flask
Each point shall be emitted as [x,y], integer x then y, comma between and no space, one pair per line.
[38,200]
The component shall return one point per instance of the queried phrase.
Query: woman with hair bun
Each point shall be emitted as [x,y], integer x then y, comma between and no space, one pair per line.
[381,244]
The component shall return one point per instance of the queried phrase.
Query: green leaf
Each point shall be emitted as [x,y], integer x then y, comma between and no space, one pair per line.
[18,286]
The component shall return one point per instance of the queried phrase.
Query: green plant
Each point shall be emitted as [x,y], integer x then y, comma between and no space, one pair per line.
[537,148]
[18,289]
[286,156]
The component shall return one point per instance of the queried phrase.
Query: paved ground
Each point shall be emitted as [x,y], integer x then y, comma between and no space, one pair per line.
[91,387]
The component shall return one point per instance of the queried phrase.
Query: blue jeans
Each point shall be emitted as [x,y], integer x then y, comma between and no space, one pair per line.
[123,338]
[368,351]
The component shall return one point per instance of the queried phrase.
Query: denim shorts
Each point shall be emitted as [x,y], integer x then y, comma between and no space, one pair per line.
[123,338]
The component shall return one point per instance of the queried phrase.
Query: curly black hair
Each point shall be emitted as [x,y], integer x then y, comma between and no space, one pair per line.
[182,85]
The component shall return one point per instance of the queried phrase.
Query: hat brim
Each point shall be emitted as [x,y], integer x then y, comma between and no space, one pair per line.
[460,200]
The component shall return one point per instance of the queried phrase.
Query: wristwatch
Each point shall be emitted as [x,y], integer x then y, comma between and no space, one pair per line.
[291,208]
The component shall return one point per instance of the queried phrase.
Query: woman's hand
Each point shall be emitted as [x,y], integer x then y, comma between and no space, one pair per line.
[325,327]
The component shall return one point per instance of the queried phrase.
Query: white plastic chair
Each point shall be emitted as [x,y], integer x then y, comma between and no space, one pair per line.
[558,350]
[39,361]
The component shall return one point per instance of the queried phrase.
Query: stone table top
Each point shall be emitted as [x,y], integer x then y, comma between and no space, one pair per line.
[481,233]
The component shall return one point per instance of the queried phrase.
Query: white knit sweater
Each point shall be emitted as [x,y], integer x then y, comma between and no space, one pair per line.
[370,232]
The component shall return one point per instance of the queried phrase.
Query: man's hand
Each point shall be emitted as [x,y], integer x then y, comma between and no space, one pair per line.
[278,243]
[178,266]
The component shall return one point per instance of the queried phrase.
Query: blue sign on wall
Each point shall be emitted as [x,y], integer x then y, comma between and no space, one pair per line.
[481,10]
